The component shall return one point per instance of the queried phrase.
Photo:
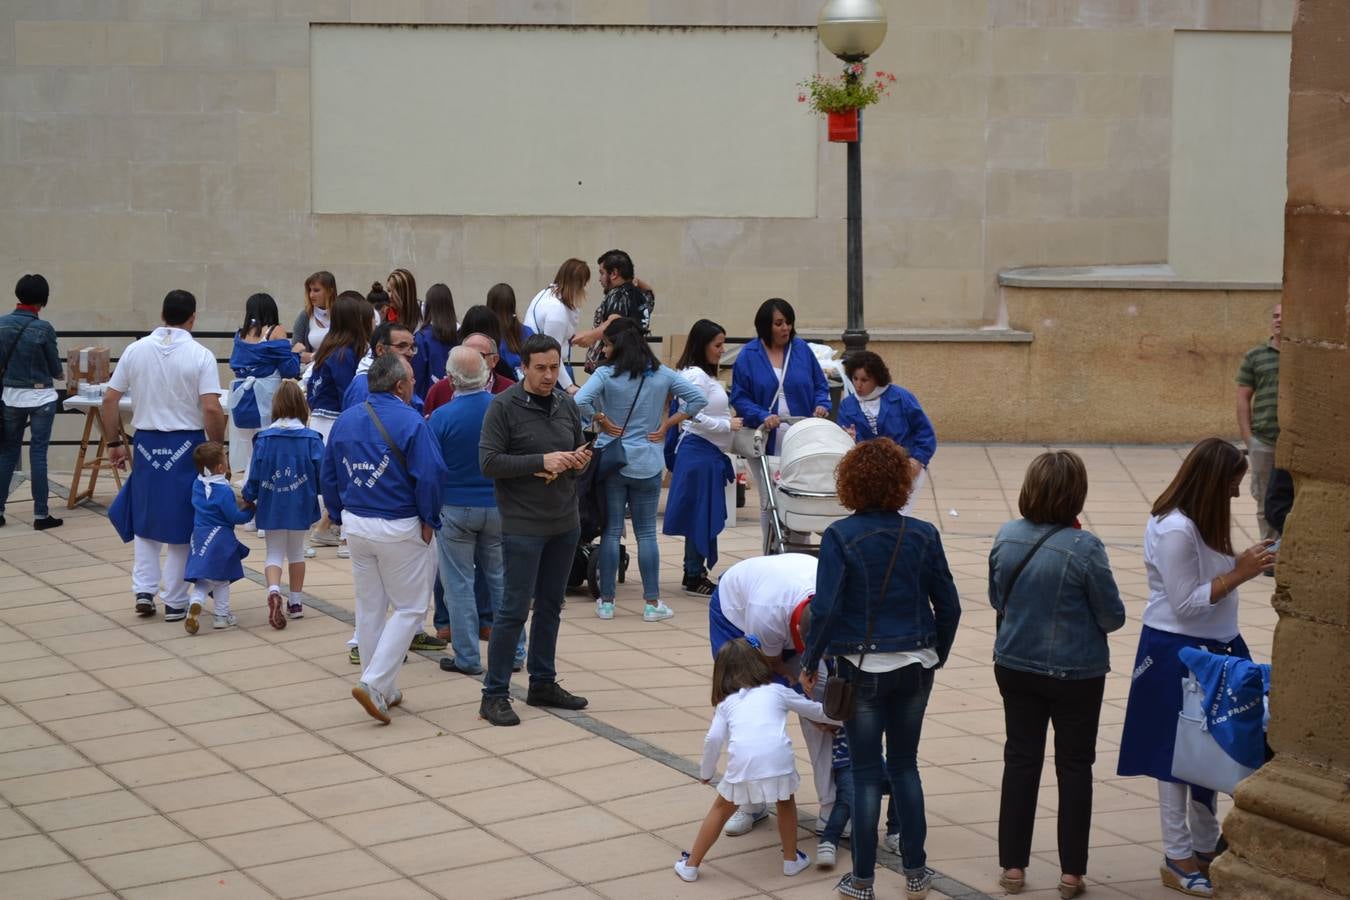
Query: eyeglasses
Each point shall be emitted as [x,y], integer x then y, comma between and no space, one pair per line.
[404,346]
[489,355]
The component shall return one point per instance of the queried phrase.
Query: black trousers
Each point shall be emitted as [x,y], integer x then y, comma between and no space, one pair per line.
[1030,702]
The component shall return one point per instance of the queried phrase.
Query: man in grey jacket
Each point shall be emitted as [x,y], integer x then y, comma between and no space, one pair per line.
[531,447]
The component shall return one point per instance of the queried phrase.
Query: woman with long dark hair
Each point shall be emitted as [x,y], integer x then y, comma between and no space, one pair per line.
[501,299]
[481,320]
[439,332]
[335,365]
[1193,577]
[883,587]
[696,506]
[262,356]
[626,400]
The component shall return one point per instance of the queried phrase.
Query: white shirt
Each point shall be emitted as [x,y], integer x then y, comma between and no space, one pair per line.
[1180,566]
[166,374]
[758,596]
[548,315]
[713,424]
[28,398]
[381,531]
[753,724]
[319,324]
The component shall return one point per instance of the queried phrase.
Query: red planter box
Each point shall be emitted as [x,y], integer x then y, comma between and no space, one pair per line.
[843,126]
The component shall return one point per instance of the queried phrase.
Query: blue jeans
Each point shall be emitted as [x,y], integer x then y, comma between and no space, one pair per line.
[470,546]
[843,805]
[694,562]
[40,419]
[539,568]
[889,703]
[641,495]
[441,614]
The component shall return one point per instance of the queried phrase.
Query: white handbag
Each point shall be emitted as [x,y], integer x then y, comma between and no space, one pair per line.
[1196,757]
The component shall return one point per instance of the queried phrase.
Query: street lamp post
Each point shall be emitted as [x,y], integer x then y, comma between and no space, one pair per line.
[853,30]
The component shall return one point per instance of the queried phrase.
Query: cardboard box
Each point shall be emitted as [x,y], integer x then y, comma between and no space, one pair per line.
[87,365]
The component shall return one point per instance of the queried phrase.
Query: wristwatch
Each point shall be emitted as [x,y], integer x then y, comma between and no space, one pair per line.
[112,444]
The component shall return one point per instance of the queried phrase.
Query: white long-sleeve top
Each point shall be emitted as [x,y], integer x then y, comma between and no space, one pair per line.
[713,423]
[548,315]
[752,723]
[1180,567]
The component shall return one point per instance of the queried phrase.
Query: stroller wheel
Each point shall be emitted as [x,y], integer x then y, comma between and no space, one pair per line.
[623,564]
[593,575]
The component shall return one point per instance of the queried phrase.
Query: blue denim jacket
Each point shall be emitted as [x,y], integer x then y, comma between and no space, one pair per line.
[921,607]
[1064,604]
[35,362]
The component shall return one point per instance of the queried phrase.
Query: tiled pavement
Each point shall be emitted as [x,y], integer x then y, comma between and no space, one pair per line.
[139,762]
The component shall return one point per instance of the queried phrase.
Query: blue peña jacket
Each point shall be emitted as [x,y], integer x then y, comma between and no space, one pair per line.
[1064,604]
[902,420]
[360,473]
[429,364]
[283,478]
[753,384]
[921,607]
[329,381]
[359,390]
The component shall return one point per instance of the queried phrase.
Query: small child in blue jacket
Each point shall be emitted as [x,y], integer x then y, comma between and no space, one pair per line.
[283,481]
[215,553]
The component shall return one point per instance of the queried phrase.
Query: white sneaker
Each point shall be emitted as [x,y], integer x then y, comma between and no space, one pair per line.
[262,532]
[656,613]
[796,866]
[310,553]
[226,621]
[892,843]
[250,526]
[825,855]
[744,819]
[604,610]
[684,870]
[344,552]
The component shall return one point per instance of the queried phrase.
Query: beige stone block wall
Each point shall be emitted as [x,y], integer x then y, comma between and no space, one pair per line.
[168,142]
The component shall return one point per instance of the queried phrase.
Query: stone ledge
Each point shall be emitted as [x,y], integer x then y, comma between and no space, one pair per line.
[1151,277]
[929,335]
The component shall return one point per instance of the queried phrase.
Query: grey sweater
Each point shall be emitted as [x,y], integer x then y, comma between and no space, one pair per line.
[516,435]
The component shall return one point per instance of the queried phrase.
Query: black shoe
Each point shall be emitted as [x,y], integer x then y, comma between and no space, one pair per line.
[174,615]
[145,604]
[2,520]
[698,585]
[424,641]
[48,522]
[498,711]
[448,665]
[550,693]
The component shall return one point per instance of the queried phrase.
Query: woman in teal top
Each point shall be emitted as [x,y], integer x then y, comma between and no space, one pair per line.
[626,399]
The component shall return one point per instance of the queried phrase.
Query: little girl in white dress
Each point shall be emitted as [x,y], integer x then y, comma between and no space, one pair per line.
[751,719]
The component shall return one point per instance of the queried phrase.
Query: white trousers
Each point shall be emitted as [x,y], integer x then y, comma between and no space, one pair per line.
[220,590]
[146,574]
[285,546]
[241,451]
[914,492]
[385,575]
[1176,805]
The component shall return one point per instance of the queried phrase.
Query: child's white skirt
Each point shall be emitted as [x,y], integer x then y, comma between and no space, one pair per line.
[759,790]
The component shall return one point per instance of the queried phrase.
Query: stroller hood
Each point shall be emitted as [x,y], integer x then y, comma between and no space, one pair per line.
[811,452]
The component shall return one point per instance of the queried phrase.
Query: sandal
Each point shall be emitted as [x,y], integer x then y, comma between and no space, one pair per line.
[1192,884]
[1070,889]
[1013,884]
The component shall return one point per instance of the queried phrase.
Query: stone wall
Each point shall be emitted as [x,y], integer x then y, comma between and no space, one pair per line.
[153,144]
[1290,831]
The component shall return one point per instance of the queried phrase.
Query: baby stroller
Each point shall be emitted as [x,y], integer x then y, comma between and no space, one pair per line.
[803,500]
[585,573]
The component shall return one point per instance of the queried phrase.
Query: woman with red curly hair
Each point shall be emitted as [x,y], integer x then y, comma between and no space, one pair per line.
[886,609]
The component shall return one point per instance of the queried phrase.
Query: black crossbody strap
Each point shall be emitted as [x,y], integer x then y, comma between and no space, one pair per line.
[885,583]
[14,345]
[1007,591]
[633,405]
[379,426]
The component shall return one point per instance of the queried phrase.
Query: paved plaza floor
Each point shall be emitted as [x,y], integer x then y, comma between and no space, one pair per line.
[139,762]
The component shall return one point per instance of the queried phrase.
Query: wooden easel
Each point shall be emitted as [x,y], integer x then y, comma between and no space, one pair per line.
[100,460]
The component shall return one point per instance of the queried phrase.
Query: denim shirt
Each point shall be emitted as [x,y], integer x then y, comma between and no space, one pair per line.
[1064,604]
[921,608]
[614,394]
[34,362]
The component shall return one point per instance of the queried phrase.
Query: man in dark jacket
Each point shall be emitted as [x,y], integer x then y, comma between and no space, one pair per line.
[626,297]
[531,447]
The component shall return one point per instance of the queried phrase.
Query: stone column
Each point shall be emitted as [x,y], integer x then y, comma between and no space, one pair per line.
[1290,830]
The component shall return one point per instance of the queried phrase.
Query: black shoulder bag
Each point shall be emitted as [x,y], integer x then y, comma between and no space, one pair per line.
[1017,573]
[839,702]
[612,457]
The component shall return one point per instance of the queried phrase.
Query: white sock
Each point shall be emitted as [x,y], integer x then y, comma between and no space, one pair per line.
[274,589]
[297,598]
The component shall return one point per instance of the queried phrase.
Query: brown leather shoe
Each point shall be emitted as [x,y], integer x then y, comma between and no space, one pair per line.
[444,633]
[485,633]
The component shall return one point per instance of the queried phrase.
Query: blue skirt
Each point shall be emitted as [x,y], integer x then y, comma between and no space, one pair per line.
[215,554]
[696,506]
[156,499]
[1155,700]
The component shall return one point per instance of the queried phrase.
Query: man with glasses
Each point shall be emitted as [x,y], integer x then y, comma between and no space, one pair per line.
[443,390]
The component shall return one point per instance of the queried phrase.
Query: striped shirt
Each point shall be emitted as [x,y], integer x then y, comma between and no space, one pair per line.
[1260,371]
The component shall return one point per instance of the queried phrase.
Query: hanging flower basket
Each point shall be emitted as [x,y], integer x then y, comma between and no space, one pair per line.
[843,126]
[839,98]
